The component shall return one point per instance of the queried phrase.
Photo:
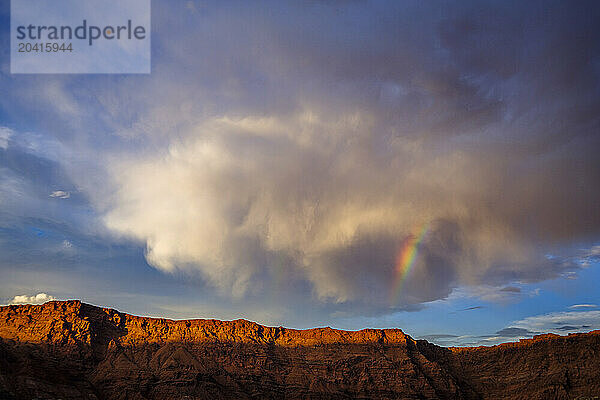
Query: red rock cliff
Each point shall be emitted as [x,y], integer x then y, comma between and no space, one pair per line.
[72,350]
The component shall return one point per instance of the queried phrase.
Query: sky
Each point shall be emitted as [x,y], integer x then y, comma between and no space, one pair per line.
[428,166]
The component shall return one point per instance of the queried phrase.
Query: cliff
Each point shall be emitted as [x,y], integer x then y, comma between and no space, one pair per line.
[72,350]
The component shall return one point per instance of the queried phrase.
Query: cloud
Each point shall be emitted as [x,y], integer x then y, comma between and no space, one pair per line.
[571,328]
[39,298]
[558,322]
[493,294]
[471,308]
[515,332]
[438,336]
[589,256]
[467,309]
[583,306]
[511,289]
[60,194]
[5,134]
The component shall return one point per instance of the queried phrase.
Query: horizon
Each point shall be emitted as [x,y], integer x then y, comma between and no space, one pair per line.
[427,167]
[536,336]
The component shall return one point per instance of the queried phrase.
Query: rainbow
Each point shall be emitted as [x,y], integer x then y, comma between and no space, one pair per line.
[405,259]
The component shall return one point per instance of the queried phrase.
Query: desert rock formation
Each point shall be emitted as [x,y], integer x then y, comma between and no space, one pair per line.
[72,350]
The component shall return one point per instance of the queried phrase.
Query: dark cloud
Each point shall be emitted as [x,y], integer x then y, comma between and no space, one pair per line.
[471,308]
[515,332]
[569,328]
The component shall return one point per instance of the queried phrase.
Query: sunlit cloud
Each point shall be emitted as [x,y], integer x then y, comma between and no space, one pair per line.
[39,298]
[61,194]
[583,306]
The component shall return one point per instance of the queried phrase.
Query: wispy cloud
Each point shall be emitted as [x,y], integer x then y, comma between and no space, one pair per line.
[471,308]
[61,194]
[493,294]
[515,332]
[5,134]
[467,309]
[559,322]
[511,289]
[583,306]
[438,337]
[590,256]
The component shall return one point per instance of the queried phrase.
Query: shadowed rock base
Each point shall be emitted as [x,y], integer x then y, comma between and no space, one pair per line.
[71,350]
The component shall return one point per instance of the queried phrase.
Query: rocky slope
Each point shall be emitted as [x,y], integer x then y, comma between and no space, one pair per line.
[72,350]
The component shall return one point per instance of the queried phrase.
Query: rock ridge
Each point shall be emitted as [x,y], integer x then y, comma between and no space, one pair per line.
[74,322]
[73,350]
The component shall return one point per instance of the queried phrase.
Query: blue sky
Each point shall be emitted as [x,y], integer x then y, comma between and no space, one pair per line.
[431,167]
